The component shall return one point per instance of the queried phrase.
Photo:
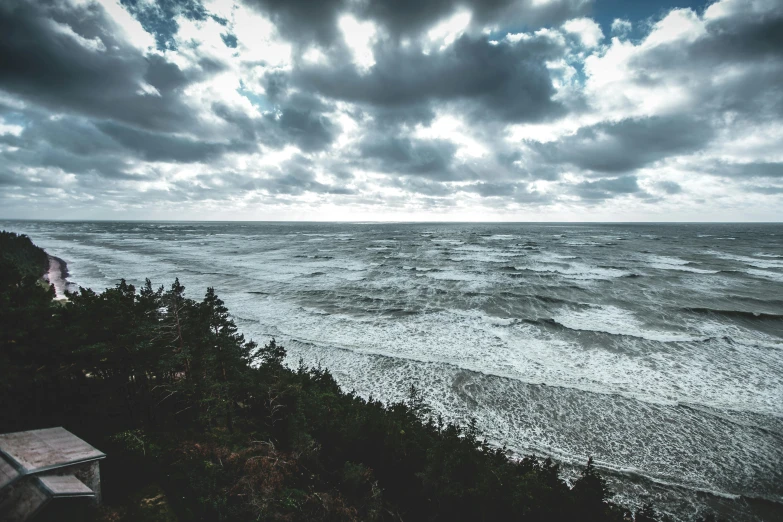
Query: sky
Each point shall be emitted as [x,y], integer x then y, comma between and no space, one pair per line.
[392,110]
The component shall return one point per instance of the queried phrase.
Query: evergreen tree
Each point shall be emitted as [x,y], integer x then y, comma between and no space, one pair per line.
[591,494]
[225,357]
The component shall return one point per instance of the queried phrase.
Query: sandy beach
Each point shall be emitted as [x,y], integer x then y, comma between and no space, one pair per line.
[57,276]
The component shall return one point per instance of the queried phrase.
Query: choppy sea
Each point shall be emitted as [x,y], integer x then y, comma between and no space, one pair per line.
[657,349]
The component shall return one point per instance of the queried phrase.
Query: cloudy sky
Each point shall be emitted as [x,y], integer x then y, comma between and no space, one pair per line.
[555,110]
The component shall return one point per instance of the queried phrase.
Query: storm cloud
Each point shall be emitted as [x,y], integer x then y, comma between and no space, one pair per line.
[628,144]
[338,109]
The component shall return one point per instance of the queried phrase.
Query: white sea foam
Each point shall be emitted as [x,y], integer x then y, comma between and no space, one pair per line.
[682,268]
[764,274]
[617,321]
[447,241]
[577,271]
[750,261]
[666,260]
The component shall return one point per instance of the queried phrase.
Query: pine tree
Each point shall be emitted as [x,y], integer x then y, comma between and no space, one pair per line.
[591,493]
[226,357]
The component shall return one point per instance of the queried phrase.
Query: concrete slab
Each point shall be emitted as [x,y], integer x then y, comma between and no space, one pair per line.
[8,473]
[49,448]
[64,486]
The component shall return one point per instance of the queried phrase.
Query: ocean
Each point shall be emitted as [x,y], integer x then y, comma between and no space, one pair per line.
[655,348]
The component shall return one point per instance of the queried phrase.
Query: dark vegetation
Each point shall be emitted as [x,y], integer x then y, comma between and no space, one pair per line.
[183,404]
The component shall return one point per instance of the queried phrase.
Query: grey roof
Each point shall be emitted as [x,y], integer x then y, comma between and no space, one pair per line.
[39,450]
[64,486]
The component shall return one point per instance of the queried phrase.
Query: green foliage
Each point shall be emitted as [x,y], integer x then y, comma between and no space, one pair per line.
[591,493]
[137,443]
[20,258]
[233,434]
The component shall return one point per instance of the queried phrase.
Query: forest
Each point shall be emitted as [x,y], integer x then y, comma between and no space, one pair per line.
[212,426]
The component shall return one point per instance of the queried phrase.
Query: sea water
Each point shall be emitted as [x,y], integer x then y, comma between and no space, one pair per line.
[656,349]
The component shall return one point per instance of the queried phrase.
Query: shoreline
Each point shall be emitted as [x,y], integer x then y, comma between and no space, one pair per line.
[58,273]
[57,276]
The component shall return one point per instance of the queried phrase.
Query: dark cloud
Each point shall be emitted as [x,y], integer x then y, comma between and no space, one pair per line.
[628,144]
[230,40]
[768,190]
[307,21]
[72,145]
[307,130]
[73,135]
[670,187]
[11,179]
[746,35]
[407,156]
[294,177]
[496,190]
[744,49]
[514,162]
[422,186]
[249,129]
[165,76]
[411,17]
[505,81]
[107,167]
[299,119]
[303,20]
[747,170]
[276,84]
[154,146]
[40,62]
[499,193]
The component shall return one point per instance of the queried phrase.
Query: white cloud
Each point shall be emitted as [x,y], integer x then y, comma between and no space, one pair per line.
[680,25]
[258,39]
[222,8]
[621,27]
[315,56]
[728,8]
[359,37]
[147,89]
[450,29]
[124,25]
[257,42]
[588,31]
[618,88]
[452,128]
[550,131]
[10,128]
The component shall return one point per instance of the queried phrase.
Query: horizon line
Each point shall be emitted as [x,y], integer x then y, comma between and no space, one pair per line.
[369,221]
